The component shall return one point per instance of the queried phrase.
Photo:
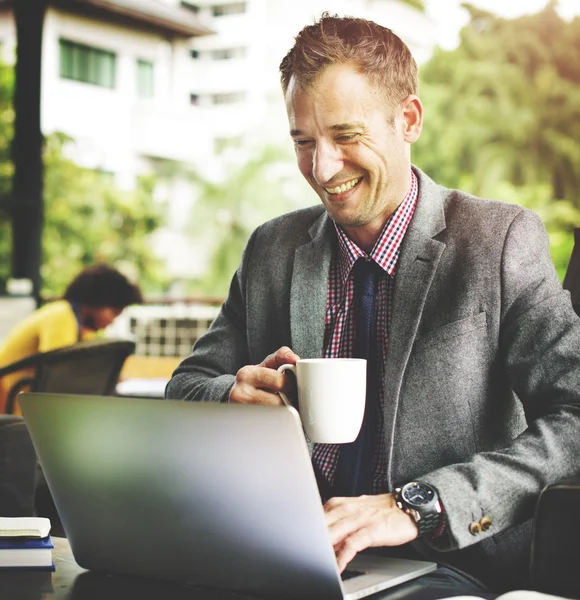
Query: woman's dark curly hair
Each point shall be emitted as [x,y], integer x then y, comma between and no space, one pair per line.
[102,285]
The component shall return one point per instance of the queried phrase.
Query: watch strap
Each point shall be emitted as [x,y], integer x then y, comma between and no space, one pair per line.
[430,521]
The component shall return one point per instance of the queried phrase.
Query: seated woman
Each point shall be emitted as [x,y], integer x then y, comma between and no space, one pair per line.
[91,302]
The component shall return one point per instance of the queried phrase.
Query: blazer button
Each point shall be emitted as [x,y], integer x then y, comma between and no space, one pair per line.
[485,523]
[474,528]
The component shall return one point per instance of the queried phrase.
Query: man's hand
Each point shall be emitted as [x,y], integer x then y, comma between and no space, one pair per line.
[260,384]
[355,524]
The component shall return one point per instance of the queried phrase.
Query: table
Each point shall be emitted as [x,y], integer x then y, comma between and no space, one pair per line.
[146,376]
[142,388]
[72,582]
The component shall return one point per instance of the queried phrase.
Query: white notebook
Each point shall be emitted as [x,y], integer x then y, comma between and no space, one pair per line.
[24,527]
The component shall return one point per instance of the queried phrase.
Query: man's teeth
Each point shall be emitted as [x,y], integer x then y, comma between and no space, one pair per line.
[344,187]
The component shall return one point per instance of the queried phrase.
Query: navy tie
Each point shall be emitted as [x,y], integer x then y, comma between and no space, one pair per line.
[353,475]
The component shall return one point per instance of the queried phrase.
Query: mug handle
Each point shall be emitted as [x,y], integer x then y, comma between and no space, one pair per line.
[283,369]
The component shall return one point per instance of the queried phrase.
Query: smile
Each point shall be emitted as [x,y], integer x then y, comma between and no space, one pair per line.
[340,189]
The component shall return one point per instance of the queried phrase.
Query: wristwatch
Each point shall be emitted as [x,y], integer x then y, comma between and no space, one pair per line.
[421,502]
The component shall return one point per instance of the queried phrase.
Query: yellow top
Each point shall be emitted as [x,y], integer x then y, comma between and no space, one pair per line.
[52,326]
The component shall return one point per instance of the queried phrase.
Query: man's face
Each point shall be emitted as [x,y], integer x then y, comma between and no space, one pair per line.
[352,149]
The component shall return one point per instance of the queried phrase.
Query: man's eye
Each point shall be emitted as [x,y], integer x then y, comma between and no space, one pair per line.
[302,143]
[347,137]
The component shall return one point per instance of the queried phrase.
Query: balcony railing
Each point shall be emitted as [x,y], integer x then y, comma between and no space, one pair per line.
[164,330]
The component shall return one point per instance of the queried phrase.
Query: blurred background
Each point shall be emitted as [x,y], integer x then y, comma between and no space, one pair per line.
[165,140]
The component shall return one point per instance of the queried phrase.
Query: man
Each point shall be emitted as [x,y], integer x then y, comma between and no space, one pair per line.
[479,347]
[91,302]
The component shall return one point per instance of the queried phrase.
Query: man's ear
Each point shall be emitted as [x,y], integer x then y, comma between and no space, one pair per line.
[412,111]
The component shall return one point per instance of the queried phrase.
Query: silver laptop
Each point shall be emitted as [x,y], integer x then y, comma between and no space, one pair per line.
[216,495]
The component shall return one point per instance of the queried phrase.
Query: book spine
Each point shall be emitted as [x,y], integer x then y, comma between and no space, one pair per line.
[25,544]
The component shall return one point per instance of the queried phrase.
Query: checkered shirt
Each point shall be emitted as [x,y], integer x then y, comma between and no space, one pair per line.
[339,321]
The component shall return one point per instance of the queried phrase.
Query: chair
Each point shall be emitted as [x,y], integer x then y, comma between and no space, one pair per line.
[91,367]
[555,553]
[572,276]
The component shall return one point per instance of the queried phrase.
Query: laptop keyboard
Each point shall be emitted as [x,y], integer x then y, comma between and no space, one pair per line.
[350,574]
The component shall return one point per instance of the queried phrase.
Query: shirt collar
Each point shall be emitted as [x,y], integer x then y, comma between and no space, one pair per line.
[386,249]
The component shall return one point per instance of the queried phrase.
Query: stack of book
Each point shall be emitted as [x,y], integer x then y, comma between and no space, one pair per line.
[25,543]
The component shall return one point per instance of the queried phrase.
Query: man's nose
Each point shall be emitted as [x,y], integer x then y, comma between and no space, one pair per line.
[327,161]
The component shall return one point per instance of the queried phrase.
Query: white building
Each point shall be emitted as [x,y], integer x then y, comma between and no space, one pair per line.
[115,77]
[136,81]
[235,77]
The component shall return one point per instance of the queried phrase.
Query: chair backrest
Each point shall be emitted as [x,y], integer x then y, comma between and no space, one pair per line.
[85,368]
[91,367]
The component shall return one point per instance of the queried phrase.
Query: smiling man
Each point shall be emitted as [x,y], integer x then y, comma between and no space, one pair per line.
[475,401]
[353,148]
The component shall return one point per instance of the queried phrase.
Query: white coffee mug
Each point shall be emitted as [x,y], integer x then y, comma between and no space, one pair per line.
[331,397]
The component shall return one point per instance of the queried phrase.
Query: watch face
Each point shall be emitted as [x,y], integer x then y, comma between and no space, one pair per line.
[417,494]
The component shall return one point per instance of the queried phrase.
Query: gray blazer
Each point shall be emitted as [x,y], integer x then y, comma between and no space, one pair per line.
[482,382]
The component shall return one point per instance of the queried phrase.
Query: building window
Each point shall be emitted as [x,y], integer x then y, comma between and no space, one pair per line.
[217,99]
[87,64]
[233,8]
[190,6]
[228,98]
[228,53]
[219,53]
[145,87]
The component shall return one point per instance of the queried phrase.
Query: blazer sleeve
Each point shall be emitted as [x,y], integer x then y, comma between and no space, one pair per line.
[208,374]
[540,350]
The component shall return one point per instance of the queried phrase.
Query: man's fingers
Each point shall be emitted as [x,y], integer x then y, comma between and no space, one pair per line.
[261,378]
[338,507]
[257,385]
[248,395]
[366,521]
[343,518]
[281,357]
[260,384]
[352,545]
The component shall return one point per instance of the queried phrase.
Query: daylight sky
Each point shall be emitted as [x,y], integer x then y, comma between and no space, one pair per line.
[449,17]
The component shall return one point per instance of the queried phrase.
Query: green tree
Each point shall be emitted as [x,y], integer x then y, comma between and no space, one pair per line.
[504,108]
[88,220]
[419,4]
[6,169]
[227,211]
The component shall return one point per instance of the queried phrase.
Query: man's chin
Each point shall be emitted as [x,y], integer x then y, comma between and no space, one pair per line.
[345,220]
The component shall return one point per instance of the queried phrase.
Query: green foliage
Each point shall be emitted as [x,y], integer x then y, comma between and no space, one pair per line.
[227,211]
[87,220]
[6,170]
[504,108]
[419,4]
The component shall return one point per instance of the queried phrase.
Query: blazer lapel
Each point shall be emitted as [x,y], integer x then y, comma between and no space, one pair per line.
[309,291]
[417,264]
